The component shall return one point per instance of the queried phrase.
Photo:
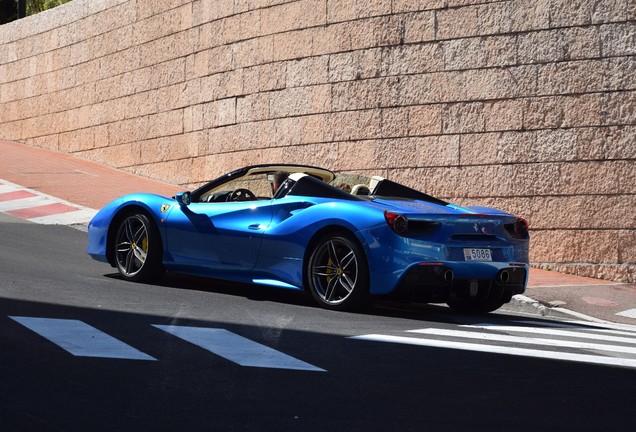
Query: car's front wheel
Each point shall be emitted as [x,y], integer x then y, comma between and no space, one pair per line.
[137,248]
[338,274]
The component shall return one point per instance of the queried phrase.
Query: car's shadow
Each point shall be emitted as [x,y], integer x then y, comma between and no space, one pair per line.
[380,307]
[219,286]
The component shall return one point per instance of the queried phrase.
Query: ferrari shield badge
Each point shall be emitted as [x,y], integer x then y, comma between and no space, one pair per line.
[164,207]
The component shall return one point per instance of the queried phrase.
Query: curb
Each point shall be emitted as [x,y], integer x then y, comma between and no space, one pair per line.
[38,207]
[526,305]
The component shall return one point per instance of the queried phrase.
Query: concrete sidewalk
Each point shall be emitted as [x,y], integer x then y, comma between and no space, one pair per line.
[90,185]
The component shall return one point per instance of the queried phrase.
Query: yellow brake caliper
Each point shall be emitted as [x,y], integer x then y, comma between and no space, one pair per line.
[143,247]
[144,244]
[330,271]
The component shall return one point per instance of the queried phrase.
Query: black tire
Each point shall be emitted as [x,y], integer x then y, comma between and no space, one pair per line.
[137,248]
[337,273]
[475,306]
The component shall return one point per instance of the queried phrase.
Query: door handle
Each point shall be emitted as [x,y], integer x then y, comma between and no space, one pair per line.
[255,227]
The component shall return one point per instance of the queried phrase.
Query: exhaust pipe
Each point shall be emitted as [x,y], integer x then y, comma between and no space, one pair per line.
[504,276]
[449,275]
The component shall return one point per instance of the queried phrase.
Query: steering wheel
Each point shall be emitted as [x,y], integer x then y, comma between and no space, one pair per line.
[241,194]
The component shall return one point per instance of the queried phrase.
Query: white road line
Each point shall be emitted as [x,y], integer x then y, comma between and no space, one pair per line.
[597,330]
[86,172]
[604,326]
[68,218]
[626,329]
[237,349]
[80,339]
[564,324]
[630,313]
[562,333]
[524,352]
[525,340]
[23,203]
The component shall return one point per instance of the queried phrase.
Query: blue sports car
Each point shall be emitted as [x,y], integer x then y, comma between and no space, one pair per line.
[343,239]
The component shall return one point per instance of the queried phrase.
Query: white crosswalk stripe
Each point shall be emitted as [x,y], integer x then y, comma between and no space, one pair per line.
[80,339]
[577,343]
[555,332]
[83,340]
[524,340]
[237,349]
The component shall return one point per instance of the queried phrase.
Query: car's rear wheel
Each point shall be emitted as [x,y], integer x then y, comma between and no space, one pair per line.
[475,306]
[137,248]
[338,274]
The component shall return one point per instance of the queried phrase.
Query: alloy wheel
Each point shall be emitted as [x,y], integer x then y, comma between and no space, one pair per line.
[132,245]
[334,271]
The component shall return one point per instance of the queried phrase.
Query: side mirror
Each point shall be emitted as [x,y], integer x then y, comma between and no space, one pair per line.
[183,198]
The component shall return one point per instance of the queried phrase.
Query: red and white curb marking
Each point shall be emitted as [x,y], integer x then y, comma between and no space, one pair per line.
[41,208]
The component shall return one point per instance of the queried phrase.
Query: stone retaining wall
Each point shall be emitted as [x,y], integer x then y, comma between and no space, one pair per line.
[527,105]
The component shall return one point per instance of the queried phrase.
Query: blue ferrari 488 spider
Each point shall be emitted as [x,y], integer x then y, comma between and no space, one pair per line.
[343,239]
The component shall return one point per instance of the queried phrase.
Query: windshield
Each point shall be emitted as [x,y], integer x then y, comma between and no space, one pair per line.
[259,184]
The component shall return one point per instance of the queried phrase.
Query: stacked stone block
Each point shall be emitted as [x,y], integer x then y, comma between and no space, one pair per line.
[526,105]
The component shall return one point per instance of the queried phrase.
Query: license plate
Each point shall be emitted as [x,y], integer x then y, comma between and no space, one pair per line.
[471,254]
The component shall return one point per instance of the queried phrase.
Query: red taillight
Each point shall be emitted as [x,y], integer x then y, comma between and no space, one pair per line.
[518,229]
[521,228]
[397,222]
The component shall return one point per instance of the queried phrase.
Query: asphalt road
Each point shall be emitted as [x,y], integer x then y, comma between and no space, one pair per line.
[83,350]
